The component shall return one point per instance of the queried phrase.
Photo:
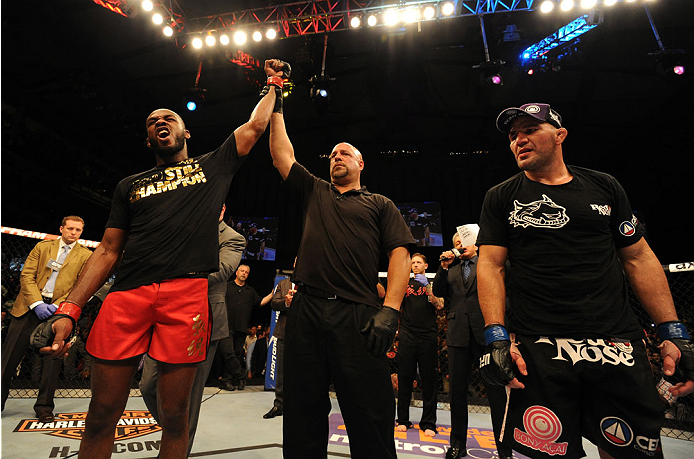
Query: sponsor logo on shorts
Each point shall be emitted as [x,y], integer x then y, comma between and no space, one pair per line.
[542,429]
[616,431]
[647,446]
[132,424]
[614,352]
[197,346]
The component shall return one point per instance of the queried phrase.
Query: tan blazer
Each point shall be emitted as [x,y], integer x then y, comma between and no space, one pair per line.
[35,274]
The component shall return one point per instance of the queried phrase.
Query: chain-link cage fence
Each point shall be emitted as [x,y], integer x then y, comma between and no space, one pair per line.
[74,377]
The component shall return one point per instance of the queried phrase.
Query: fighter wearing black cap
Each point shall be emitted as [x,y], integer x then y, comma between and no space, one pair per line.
[582,369]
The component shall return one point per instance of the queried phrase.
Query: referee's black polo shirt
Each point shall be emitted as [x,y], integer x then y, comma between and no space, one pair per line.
[344,236]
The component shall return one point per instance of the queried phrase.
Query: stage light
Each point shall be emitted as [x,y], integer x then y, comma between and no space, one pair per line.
[197,42]
[547,6]
[193,98]
[224,39]
[609,2]
[210,40]
[411,15]
[355,22]
[147,5]
[271,34]
[678,69]
[257,36]
[429,12]
[496,79]
[320,92]
[588,4]
[191,106]
[157,18]
[371,20]
[566,5]
[240,37]
[530,71]
[669,61]
[168,31]
[491,71]
[448,8]
[391,17]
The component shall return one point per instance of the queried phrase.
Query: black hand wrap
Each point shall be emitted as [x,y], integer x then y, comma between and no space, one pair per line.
[279,99]
[677,334]
[43,334]
[496,365]
[381,328]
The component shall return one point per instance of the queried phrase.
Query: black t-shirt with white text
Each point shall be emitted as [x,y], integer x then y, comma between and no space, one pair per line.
[565,278]
[171,216]
[344,234]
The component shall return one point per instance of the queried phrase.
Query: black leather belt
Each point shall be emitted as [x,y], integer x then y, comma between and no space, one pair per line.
[316,292]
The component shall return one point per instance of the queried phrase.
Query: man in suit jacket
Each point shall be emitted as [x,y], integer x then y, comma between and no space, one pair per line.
[281,301]
[231,246]
[49,272]
[456,281]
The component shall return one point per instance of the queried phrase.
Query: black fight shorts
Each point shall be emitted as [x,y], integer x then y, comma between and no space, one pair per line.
[600,389]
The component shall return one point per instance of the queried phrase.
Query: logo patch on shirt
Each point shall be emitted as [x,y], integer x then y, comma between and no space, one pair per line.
[616,431]
[543,213]
[602,209]
[627,228]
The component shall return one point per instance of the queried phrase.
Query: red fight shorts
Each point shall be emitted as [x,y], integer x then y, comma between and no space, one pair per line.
[169,320]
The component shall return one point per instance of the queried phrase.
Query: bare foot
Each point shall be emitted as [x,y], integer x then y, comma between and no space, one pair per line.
[429,433]
[401,428]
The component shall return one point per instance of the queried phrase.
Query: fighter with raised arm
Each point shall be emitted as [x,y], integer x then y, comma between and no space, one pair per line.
[164,226]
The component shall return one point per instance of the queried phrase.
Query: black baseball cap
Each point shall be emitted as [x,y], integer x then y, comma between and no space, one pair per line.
[542,112]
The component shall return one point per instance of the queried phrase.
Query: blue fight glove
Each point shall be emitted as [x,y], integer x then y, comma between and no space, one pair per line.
[677,334]
[44,310]
[422,279]
[496,365]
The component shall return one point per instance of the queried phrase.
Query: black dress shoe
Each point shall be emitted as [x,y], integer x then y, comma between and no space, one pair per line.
[227,386]
[242,384]
[46,416]
[454,452]
[274,411]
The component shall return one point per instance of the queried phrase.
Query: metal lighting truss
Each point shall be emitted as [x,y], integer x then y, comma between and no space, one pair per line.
[321,16]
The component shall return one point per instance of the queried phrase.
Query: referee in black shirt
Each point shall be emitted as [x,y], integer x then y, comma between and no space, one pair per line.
[336,327]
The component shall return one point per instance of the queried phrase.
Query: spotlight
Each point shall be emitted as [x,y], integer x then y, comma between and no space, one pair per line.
[669,62]
[147,5]
[429,12]
[210,40]
[158,19]
[257,36]
[320,92]
[355,22]
[609,2]
[411,15]
[678,69]
[224,39]
[193,98]
[588,4]
[530,71]
[448,8]
[547,6]
[197,42]
[566,5]
[240,37]
[168,31]
[491,71]
[270,34]
[371,20]
[391,17]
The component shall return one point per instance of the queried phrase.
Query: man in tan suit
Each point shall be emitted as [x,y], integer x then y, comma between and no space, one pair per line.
[49,272]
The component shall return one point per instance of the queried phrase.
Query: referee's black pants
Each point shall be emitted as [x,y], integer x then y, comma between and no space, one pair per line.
[323,342]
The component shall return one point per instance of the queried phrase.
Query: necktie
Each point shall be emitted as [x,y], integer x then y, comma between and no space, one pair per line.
[466,269]
[50,285]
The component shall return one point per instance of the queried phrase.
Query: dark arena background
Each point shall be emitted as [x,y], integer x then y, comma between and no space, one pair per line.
[418,99]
